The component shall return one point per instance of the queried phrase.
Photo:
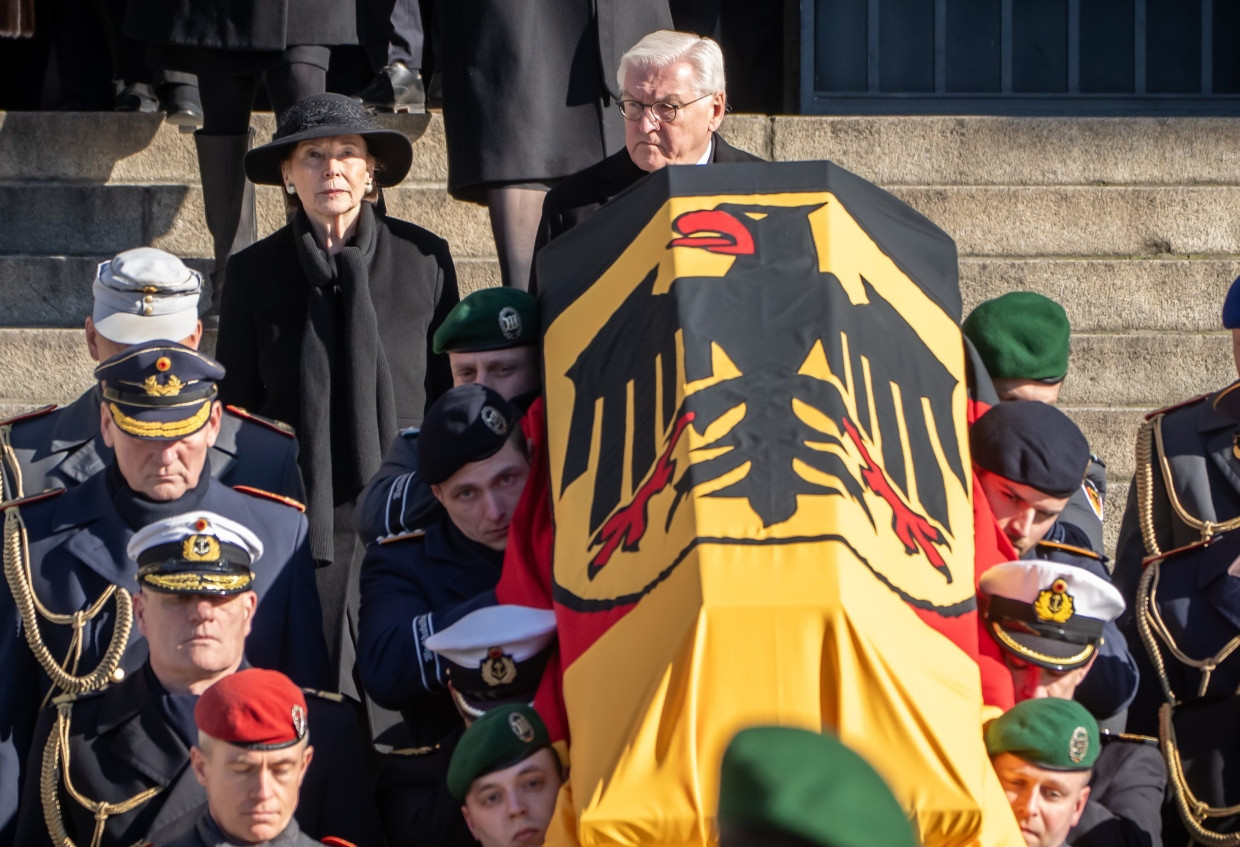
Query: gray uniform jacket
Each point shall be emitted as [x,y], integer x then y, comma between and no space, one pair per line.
[62,447]
[1125,796]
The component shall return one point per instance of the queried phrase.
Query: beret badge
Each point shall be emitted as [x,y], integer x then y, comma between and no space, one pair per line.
[299,721]
[494,420]
[510,322]
[521,727]
[1078,745]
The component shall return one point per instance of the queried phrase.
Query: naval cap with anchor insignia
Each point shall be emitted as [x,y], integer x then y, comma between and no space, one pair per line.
[1050,732]
[195,553]
[145,293]
[255,708]
[1048,613]
[160,390]
[495,655]
[499,739]
[468,423]
[489,319]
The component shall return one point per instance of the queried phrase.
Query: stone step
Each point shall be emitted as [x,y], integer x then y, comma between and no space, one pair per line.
[981,150]
[55,291]
[137,149]
[1073,221]
[78,220]
[974,150]
[1112,295]
[1145,371]
[1100,295]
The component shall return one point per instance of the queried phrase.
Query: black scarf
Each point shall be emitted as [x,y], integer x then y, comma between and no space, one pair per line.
[348,407]
[137,511]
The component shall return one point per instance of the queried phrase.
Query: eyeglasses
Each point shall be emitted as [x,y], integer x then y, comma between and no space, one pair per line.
[664,113]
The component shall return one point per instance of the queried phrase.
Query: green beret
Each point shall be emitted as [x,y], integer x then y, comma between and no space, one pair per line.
[778,778]
[1021,335]
[490,319]
[497,740]
[1051,732]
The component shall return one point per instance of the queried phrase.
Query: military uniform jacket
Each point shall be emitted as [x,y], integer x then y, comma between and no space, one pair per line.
[121,744]
[206,834]
[1126,796]
[396,501]
[411,588]
[62,448]
[77,549]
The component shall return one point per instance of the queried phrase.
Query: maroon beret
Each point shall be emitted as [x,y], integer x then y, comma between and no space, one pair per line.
[255,708]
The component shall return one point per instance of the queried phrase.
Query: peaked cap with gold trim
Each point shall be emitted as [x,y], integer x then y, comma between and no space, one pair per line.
[161,390]
[195,553]
[1048,614]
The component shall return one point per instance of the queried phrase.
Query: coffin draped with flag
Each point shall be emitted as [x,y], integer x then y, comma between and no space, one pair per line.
[756,506]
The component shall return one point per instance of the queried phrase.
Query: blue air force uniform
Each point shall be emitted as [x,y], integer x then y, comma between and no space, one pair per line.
[61,447]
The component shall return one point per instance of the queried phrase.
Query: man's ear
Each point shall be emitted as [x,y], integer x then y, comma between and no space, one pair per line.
[139,612]
[92,340]
[199,763]
[1080,805]
[213,422]
[469,822]
[438,492]
[105,426]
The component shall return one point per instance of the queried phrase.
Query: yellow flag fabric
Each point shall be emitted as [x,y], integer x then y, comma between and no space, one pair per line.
[758,453]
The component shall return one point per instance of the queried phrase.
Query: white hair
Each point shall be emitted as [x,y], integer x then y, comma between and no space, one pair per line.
[665,47]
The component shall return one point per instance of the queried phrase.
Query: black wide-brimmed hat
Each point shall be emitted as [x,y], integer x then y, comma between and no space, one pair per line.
[322,116]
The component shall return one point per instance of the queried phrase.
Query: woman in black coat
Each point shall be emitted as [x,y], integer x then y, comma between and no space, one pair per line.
[229,44]
[327,323]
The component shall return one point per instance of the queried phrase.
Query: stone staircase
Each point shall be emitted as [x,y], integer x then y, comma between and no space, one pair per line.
[1128,222]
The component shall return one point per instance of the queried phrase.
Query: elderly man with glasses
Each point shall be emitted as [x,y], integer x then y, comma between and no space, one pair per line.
[672,95]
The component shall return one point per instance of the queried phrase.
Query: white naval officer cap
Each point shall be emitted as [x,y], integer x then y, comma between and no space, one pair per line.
[1048,613]
[495,655]
[196,552]
[145,294]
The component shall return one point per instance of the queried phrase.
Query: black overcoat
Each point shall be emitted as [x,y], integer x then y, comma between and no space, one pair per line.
[529,86]
[246,25]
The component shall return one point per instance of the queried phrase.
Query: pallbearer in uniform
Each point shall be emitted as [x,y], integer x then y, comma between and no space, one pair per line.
[118,760]
[251,756]
[66,562]
[140,295]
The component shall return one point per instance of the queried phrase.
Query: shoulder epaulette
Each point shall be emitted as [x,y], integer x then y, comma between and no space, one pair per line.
[336,841]
[1071,548]
[414,751]
[270,495]
[33,498]
[1130,737]
[1167,409]
[404,536]
[33,413]
[1187,548]
[272,424]
[324,695]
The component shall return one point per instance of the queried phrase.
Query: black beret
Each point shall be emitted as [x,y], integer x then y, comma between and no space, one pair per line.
[1033,444]
[467,424]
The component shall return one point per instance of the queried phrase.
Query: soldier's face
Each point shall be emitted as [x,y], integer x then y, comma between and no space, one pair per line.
[160,470]
[1023,514]
[194,638]
[1033,682]
[480,497]
[653,144]
[513,807]
[252,794]
[1046,803]
[506,372]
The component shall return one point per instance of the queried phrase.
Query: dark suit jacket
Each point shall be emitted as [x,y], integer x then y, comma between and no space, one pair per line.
[1126,796]
[62,447]
[580,195]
